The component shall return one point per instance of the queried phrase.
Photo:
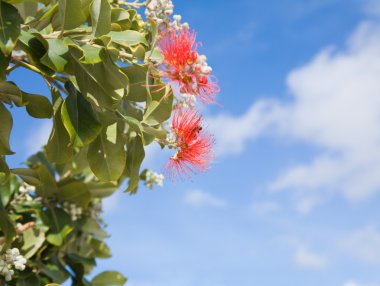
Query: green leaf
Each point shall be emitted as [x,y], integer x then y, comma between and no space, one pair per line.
[135,157]
[56,55]
[91,226]
[100,17]
[29,176]
[59,222]
[10,92]
[76,192]
[5,130]
[102,189]
[103,83]
[106,155]
[35,46]
[92,55]
[137,76]
[48,186]
[57,148]
[4,168]
[120,17]
[8,186]
[70,14]
[6,225]
[100,249]
[38,106]
[128,38]
[10,25]
[4,63]
[109,278]
[159,111]
[79,118]
[54,270]
[27,8]
[33,240]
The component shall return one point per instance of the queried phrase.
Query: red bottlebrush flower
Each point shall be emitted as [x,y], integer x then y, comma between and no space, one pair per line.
[179,49]
[186,67]
[193,144]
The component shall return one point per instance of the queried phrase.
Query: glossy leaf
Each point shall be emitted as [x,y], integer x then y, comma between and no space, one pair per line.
[56,55]
[57,148]
[76,192]
[38,106]
[79,118]
[109,278]
[103,84]
[128,38]
[106,155]
[10,26]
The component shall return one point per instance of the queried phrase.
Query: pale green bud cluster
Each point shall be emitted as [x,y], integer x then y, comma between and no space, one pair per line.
[11,259]
[153,178]
[159,11]
[73,210]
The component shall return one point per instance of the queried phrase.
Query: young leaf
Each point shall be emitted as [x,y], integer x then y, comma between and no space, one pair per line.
[109,278]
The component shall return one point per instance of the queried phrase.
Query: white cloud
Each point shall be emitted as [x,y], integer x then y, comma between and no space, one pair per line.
[308,259]
[335,107]
[266,207]
[364,244]
[353,283]
[232,133]
[198,198]
[37,138]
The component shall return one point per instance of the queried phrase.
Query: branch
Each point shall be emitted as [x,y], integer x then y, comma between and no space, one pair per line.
[20,230]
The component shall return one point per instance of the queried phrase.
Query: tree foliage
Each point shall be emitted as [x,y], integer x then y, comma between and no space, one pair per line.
[108,101]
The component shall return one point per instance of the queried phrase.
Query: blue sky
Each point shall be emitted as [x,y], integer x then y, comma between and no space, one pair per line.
[293,196]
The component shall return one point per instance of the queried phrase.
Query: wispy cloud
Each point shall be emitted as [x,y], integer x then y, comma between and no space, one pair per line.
[199,198]
[364,244]
[353,283]
[306,258]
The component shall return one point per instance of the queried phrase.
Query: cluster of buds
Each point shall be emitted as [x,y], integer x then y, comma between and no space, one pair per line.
[73,210]
[11,259]
[95,209]
[153,178]
[23,194]
[159,11]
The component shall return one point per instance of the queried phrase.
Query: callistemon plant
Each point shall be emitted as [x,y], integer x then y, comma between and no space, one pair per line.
[121,76]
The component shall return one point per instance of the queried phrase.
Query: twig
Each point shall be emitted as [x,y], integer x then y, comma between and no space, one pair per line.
[20,230]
